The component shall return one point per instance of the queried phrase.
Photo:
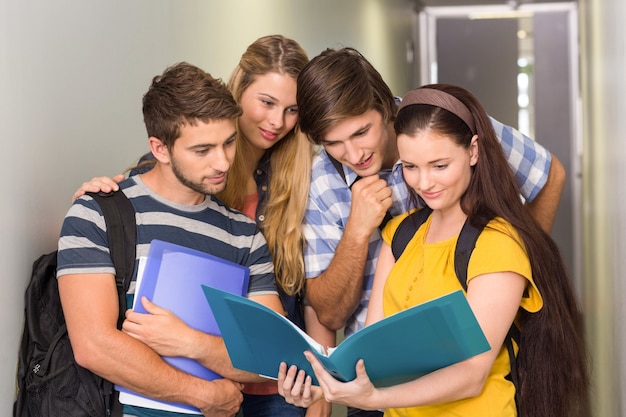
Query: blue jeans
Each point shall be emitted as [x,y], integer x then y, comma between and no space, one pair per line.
[355,412]
[272,405]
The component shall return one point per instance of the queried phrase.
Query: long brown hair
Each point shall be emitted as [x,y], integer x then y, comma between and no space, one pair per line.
[552,361]
[290,163]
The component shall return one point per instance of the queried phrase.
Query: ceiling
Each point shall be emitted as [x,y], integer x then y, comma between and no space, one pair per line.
[440,3]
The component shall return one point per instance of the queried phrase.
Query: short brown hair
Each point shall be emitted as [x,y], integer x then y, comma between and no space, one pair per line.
[336,85]
[184,95]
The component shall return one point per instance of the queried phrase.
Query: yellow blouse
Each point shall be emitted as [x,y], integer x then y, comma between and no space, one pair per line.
[426,271]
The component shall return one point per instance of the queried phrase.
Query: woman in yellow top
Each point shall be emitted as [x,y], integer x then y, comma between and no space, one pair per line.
[453,164]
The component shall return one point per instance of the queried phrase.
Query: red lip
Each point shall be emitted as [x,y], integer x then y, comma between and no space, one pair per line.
[431,194]
[268,135]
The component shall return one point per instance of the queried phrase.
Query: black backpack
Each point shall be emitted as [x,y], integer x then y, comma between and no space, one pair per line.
[49,381]
[462,253]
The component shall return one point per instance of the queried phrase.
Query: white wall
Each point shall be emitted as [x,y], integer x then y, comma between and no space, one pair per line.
[72,74]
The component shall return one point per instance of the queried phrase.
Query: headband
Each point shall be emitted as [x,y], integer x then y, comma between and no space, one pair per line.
[440,99]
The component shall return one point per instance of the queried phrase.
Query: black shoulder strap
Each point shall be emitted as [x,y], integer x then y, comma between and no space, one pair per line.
[407,229]
[464,247]
[339,167]
[119,216]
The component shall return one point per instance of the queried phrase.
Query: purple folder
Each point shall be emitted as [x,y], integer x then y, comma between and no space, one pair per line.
[173,277]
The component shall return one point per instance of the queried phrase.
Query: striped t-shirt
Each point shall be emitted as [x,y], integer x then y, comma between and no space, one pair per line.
[210,227]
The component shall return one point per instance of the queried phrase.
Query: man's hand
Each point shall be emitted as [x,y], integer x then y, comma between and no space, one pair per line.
[225,400]
[371,198]
[336,293]
[160,329]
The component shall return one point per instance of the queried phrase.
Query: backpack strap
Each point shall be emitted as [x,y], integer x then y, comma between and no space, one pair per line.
[407,229]
[119,216]
[514,335]
[339,167]
[464,247]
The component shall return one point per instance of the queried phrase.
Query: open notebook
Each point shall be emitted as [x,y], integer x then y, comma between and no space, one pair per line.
[396,349]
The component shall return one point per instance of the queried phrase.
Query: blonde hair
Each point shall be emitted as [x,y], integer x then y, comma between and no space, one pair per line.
[290,163]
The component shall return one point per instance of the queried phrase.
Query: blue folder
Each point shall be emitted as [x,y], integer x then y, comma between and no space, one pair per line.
[397,349]
[173,278]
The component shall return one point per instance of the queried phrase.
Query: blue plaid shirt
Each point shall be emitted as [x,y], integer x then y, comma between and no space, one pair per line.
[330,198]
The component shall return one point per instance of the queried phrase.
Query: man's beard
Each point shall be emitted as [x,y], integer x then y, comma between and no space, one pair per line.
[201,188]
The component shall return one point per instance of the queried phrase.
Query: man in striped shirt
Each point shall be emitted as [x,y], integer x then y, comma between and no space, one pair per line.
[189,118]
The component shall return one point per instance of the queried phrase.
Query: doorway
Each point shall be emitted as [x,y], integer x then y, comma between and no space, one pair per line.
[522,64]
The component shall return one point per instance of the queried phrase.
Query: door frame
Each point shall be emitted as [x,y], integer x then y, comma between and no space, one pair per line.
[425,34]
